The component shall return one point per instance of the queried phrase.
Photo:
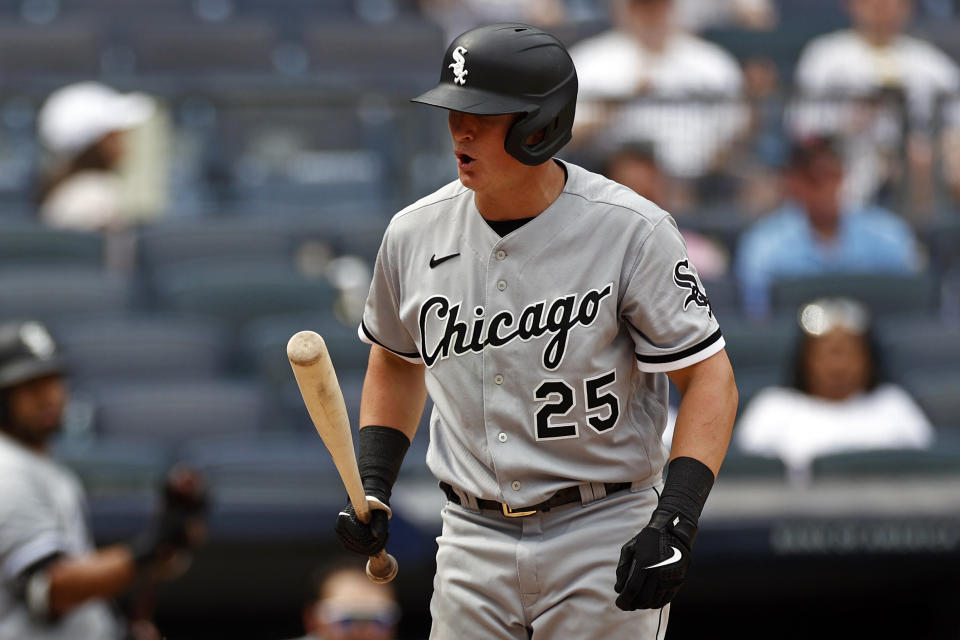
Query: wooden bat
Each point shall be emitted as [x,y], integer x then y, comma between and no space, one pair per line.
[321,393]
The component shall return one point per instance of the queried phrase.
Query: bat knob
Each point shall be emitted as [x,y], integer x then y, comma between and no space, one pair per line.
[305,348]
[382,568]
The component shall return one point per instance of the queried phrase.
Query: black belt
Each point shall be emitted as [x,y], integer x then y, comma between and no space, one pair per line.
[560,498]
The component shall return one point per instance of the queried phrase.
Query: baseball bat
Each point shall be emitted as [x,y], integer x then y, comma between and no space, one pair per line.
[323,398]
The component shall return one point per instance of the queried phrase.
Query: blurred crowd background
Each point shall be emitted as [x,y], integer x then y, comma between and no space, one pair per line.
[186,183]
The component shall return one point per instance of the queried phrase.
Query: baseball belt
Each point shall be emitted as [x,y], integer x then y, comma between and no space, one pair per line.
[560,498]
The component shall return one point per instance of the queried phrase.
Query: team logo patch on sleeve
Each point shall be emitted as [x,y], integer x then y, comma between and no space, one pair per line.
[685,278]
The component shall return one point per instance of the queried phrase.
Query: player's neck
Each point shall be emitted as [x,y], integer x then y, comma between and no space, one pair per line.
[530,196]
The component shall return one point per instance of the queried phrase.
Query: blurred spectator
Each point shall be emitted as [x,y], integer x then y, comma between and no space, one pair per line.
[345,605]
[82,126]
[53,582]
[457,16]
[882,68]
[635,167]
[813,233]
[754,15]
[648,80]
[838,400]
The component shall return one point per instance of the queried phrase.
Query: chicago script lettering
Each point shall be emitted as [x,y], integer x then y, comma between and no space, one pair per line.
[459,337]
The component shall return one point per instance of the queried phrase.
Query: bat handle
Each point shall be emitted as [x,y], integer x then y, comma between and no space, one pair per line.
[382,567]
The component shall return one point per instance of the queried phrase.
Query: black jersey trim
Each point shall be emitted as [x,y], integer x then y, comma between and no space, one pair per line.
[369,335]
[686,353]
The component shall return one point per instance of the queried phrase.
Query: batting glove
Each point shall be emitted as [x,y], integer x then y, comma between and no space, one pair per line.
[653,564]
[366,539]
[181,522]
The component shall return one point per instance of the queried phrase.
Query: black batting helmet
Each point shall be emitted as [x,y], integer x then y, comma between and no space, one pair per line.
[511,68]
[27,352]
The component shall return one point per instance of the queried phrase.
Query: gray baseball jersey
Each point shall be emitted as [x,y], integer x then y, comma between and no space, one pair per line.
[42,513]
[545,349]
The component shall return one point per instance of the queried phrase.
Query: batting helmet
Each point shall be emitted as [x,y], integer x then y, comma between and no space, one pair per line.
[511,68]
[27,352]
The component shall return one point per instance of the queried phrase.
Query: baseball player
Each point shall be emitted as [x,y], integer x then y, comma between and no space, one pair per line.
[543,307]
[53,583]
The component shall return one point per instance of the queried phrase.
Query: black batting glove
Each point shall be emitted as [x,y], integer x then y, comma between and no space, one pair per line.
[380,452]
[180,524]
[653,564]
[366,539]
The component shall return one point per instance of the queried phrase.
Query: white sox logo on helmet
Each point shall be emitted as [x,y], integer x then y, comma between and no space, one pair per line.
[459,73]
[535,320]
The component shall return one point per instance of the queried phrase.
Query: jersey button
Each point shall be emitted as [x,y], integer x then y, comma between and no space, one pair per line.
[515,485]
[498,379]
[502,285]
[502,437]
[501,254]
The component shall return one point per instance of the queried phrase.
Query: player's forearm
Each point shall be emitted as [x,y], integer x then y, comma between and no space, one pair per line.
[394,392]
[708,407]
[101,574]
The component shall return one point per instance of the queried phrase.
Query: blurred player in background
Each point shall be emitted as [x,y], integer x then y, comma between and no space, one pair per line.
[54,584]
[345,605]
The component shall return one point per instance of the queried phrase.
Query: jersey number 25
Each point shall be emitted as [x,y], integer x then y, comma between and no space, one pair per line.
[603,409]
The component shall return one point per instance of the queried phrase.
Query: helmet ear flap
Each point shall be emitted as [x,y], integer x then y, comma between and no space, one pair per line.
[557,133]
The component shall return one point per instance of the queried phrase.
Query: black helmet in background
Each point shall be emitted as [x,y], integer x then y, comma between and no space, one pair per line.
[511,68]
[27,352]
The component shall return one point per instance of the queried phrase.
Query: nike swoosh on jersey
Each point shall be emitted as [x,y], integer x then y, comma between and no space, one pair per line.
[673,558]
[434,260]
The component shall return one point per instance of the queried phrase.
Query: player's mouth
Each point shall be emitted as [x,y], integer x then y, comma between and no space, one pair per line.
[463,160]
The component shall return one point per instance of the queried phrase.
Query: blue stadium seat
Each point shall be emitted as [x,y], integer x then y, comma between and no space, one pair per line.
[34,244]
[61,52]
[237,292]
[738,465]
[918,345]
[887,463]
[191,48]
[142,347]
[264,343]
[884,294]
[249,238]
[51,293]
[752,345]
[176,412]
[938,394]
[118,466]
[400,56]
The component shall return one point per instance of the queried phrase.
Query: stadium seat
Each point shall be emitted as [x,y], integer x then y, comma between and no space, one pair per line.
[938,394]
[884,294]
[142,347]
[61,51]
[176,412]
[111,467]
[887,463]
[400,56]
[190,48]
[264,342]
[273,469]
[51,293]
[237,292]
[738,465]
[174,242]
[918,345]
[752,345]
[34,244]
